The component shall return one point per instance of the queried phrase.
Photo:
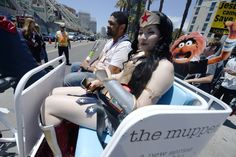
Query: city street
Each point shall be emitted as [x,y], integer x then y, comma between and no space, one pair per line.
[221,145]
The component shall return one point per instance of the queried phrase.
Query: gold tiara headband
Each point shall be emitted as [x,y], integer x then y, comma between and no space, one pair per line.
[149,18]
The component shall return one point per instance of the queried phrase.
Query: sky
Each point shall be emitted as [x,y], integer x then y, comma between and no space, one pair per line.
[100,10]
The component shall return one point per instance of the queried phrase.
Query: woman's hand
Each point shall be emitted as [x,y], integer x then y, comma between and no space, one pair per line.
[84,65]
[188,81]
[94,85]
[232,29]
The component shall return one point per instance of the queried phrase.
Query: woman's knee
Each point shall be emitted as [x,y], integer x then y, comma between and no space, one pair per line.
[68,90]
[49,104]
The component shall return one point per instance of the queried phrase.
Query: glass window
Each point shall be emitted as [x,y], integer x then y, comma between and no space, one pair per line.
[204,27]
[191,28]
[194,19]
[199,2]
[208,17]
[197,10]
[2,3]
[213,4]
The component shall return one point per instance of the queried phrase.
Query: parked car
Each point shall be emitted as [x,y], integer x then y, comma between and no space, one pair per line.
[50,36]
[91,38]
[80,37]
[73,36]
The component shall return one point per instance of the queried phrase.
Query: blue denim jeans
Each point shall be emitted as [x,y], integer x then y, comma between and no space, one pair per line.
[75,67]
[76,76]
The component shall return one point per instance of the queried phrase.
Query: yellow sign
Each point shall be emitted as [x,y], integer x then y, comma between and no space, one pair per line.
[226,12]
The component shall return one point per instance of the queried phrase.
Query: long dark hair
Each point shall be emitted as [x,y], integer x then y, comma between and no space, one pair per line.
[143,72]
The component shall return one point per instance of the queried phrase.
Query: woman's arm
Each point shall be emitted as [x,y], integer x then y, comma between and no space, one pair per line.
[161,80]
[206,79]
[228,46]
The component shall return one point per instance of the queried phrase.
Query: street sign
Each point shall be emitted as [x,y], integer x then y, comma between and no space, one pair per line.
[226,12]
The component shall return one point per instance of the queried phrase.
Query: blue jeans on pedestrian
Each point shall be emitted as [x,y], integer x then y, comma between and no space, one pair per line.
[77,75]
[44,55]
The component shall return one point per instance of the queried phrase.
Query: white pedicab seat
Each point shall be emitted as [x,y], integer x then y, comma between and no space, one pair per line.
[28,102]
[160,129]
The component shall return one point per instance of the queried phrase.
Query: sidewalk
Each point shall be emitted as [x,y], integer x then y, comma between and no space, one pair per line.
[223,142]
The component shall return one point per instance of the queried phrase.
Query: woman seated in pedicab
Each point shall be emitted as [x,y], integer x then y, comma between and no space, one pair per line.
[148,74]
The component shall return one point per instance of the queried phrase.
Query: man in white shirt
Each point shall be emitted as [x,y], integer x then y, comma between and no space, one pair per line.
[227,90]
[113,55]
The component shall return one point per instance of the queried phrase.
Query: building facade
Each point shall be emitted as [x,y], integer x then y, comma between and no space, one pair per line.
[84,19]
[93,26]
[87,23]
[103,32]
[203,16]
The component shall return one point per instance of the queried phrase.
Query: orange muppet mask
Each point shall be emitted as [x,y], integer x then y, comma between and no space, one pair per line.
[188,46]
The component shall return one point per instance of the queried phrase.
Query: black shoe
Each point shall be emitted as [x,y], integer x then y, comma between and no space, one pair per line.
[68,63]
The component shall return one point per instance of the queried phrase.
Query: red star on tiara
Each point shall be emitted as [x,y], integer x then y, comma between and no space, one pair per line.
[145,17]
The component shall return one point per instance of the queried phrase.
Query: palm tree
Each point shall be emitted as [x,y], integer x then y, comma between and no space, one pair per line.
[136,9]
[161,5]
[128,7]
[185,14]
[149,2]
[122,4]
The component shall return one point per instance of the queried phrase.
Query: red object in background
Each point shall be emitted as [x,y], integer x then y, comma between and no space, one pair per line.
[7,25]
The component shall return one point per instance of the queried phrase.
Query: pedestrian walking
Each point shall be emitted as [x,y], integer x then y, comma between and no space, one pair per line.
[63,43]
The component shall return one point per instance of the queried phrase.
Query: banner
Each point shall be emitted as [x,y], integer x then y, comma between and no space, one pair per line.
[226,12]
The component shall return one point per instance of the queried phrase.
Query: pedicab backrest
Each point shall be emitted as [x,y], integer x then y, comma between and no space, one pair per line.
[165,131]
[28,102]
[175,97]
[178,130]
[178,95]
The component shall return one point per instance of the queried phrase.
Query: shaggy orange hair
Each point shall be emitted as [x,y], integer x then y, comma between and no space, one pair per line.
[188,46]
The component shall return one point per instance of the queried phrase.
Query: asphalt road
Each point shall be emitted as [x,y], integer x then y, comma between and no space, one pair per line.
[222,143]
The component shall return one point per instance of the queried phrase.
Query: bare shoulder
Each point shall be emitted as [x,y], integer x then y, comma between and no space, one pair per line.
[166,64]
